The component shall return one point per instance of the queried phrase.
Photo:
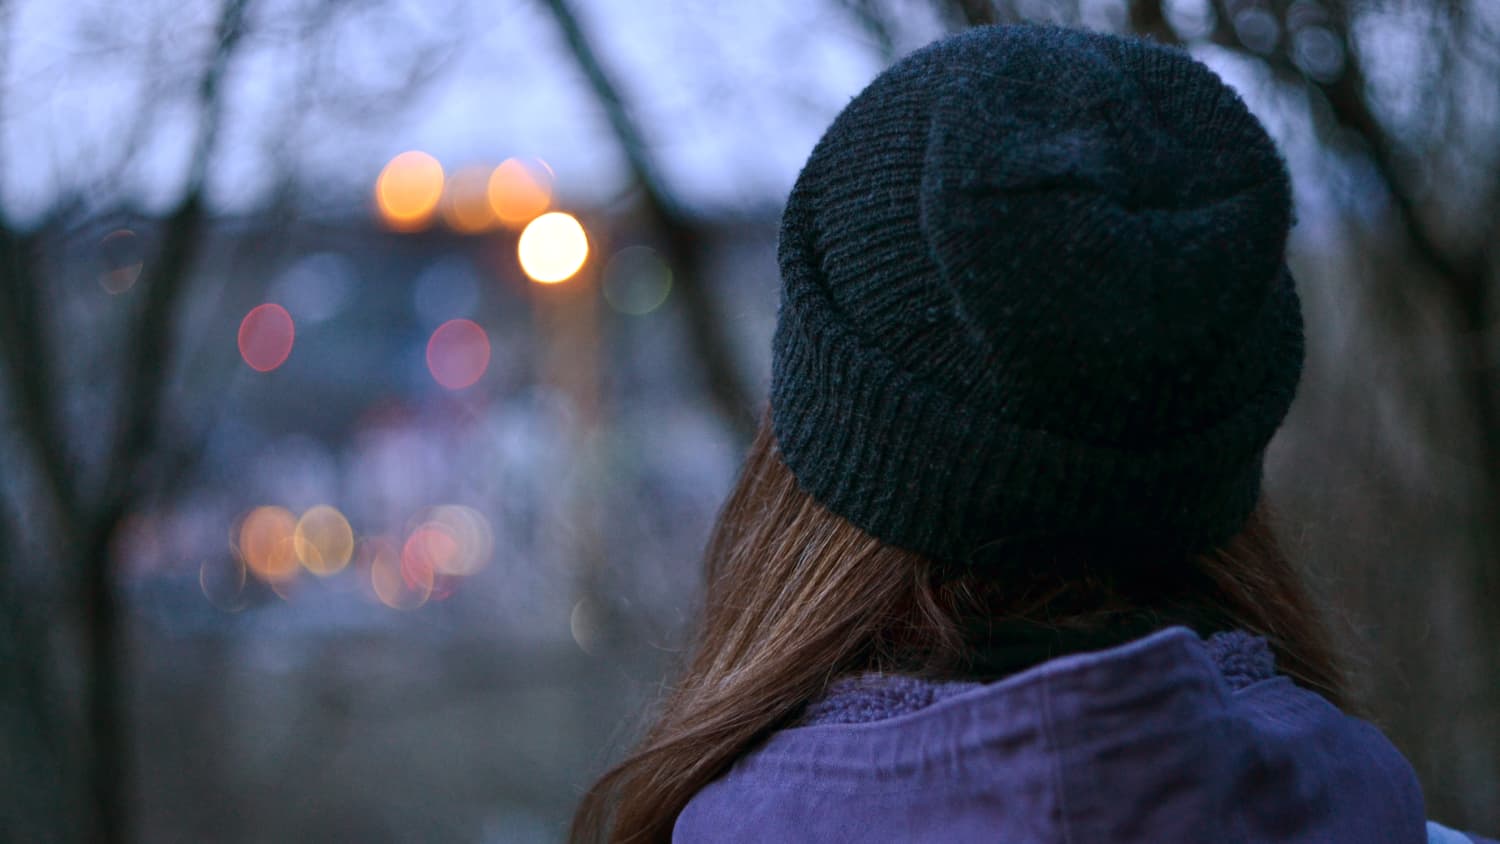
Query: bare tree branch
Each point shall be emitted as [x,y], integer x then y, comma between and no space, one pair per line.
[148,359]
[874,21]
[152,338]
[24,342]
[683,240]
[1147,18]
[1464,277]
[965,13]
[28,364]
[27,664]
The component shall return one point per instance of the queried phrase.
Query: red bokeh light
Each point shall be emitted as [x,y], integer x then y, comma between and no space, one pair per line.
[266,336]
[417,570]
[458,353]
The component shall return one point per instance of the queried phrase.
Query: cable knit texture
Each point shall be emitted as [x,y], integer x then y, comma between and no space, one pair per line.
[1033,287]
[1242,659]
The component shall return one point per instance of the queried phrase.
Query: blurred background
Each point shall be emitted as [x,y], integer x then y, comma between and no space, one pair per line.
[372,372]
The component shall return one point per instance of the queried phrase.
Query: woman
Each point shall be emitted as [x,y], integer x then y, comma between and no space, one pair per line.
[996,568]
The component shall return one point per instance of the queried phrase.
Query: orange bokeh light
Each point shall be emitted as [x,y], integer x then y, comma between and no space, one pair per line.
[458,353]
[466,202]
[519,191]
[266,543]
[266,336]
[408,190]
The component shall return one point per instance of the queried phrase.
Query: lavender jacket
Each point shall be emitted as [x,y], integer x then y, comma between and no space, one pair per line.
[1170,738]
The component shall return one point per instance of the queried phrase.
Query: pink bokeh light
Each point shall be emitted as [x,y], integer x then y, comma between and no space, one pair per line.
[458,353]
[266,336]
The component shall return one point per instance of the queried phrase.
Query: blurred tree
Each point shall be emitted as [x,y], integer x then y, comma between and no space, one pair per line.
[84,524]
[64,743]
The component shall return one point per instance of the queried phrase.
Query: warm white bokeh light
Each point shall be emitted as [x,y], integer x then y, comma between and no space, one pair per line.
[553,247]
[323,540]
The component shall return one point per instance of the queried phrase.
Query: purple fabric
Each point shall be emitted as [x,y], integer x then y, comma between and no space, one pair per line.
[1165,739]
[1241,658]
[875,697]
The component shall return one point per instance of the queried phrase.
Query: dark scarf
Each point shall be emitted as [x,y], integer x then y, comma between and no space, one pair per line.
[1002,648]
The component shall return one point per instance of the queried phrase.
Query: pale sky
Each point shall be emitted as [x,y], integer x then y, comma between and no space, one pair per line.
[731,95]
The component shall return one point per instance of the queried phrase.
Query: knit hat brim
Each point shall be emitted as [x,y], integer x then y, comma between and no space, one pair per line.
[921,470]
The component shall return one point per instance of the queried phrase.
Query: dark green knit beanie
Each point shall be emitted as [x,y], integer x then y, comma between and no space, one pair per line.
[1034,289]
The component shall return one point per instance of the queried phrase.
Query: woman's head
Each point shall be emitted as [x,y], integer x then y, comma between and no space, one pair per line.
[1035,334]
[797,596]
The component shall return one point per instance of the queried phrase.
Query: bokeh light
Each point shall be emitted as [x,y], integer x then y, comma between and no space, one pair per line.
[266,543]
[583,623]
[323,540]
[466,203]
[1319,52]
[408,190]
[426,549]
[222,580]
[317,287]
[389,578]
[122,257]
[553,247]
[637,281]
[458,353]
[381,558]
[453,540]
[266,337]
[1258,28]
[520,191]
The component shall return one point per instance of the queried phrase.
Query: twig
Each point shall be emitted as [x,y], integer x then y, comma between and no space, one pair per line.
[683,240]
[870,17]
[966,13]
[148,359]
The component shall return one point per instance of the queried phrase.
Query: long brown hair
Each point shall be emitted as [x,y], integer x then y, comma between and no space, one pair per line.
[797,596]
